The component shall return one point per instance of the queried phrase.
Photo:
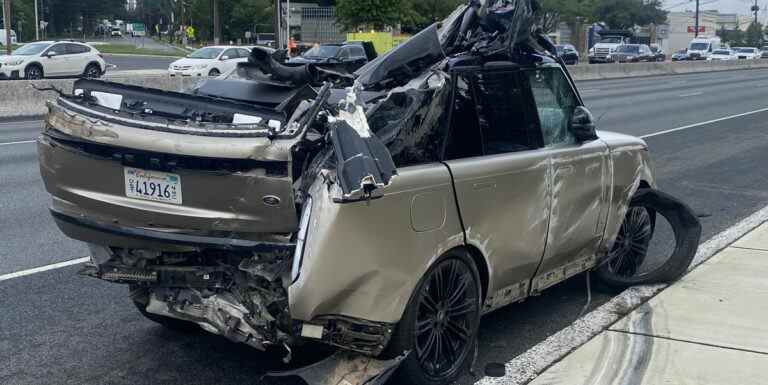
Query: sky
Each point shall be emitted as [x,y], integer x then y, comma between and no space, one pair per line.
[725,6]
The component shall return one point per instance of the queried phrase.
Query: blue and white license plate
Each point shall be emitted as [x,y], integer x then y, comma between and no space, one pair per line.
[152,185]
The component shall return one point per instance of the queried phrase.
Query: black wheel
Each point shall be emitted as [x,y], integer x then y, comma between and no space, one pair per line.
[33,72]
[214,73]
[140,298]
[92,71]
[440,324]
[629,262]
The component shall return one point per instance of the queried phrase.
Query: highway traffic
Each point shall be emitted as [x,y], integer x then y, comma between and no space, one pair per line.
[706,133]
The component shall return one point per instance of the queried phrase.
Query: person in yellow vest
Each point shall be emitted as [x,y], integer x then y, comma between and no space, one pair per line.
[191,33]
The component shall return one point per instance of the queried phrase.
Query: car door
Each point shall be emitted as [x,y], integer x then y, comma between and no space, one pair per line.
[78,58]
[56,65]
[580,180]
[228,60]
[501,177]
[357,56]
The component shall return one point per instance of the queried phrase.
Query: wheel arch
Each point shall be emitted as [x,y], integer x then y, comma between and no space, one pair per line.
[482,267]
[34,64]
[94,62]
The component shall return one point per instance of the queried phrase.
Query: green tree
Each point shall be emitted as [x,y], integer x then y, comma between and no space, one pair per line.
[733,38]
[377,14]
[754,35]
[553,12]
[624,14]
[419,14]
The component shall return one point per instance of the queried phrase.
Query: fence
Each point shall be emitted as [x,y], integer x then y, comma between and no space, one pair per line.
[318,25]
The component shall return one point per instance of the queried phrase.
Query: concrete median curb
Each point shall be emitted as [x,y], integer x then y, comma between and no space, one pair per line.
[617,71]
[21,99]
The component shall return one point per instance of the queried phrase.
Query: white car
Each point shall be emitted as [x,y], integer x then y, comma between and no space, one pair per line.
[722,55]
[47,59]
[210,61]
[748,53]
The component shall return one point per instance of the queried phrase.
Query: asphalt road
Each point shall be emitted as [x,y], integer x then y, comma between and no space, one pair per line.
[138,62]
[56,327]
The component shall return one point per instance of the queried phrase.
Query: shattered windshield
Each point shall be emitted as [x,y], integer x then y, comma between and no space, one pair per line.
[322,51]
[206,53]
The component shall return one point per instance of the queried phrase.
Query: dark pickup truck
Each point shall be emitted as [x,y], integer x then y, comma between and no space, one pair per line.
[352,55]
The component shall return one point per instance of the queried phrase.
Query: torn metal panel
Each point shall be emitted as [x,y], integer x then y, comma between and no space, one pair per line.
[345,368]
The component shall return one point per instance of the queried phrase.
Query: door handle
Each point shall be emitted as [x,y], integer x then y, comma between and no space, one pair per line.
[484,186]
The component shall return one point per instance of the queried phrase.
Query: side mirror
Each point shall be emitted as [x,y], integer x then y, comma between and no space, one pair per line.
[583,125]
[225,57]
[50,54]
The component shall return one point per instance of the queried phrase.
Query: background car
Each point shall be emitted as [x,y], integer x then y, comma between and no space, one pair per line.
[633,53]
[352,55]
[210,61]
[658,53]
[116,32]
[680,55]
[568,53]
[722,54]
[747,53]
[52,59]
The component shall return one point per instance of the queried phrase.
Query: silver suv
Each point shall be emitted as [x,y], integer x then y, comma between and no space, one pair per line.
[381,212]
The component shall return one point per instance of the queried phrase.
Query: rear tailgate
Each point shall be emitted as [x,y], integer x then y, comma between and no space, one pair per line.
[173,182]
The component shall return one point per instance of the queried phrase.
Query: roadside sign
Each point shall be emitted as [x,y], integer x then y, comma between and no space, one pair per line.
[692,29]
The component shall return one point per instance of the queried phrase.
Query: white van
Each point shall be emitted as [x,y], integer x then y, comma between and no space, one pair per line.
[700,48]
[2,37]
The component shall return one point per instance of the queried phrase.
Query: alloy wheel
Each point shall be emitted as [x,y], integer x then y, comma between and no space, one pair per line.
[631,246]
[92,72]
[34,73]
[446,319]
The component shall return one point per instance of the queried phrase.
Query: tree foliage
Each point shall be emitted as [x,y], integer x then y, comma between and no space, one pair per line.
[754,35]
[624,14]
[376,14]
[555,11]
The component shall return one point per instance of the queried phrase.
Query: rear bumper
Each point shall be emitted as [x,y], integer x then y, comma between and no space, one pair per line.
[84,227]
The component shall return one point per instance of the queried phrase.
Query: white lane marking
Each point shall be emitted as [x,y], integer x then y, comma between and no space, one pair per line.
[692,94]
[527,366]
[20,122]
[704,123]
[589,90]
[41,269]
[21,142]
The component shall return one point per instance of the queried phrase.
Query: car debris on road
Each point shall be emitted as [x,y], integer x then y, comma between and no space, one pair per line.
[381,211]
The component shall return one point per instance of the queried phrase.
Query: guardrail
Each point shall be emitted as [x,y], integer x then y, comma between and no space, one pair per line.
[18,98]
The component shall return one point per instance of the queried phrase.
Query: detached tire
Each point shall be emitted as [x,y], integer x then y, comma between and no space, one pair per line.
[620,269]
[140,298]
[439,327]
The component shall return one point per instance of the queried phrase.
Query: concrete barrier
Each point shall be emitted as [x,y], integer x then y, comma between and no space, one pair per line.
[615,71]
[18,99]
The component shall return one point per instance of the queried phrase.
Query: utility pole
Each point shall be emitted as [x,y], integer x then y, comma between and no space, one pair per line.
[288,23]
[37,23]
[7,22]
[755,10]
[696,27]
[216,23]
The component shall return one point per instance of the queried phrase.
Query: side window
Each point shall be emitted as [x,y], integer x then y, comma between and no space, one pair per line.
[344,53]
[464,138]
[357,52]
[502,108]
[230,54]
[60,49]
[72,49]
[555,102]
[243,52]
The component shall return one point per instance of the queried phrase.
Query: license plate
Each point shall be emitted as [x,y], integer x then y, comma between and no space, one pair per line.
[152,185]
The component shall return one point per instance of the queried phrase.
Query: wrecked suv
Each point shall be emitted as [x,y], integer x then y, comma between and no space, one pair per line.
[381,212]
